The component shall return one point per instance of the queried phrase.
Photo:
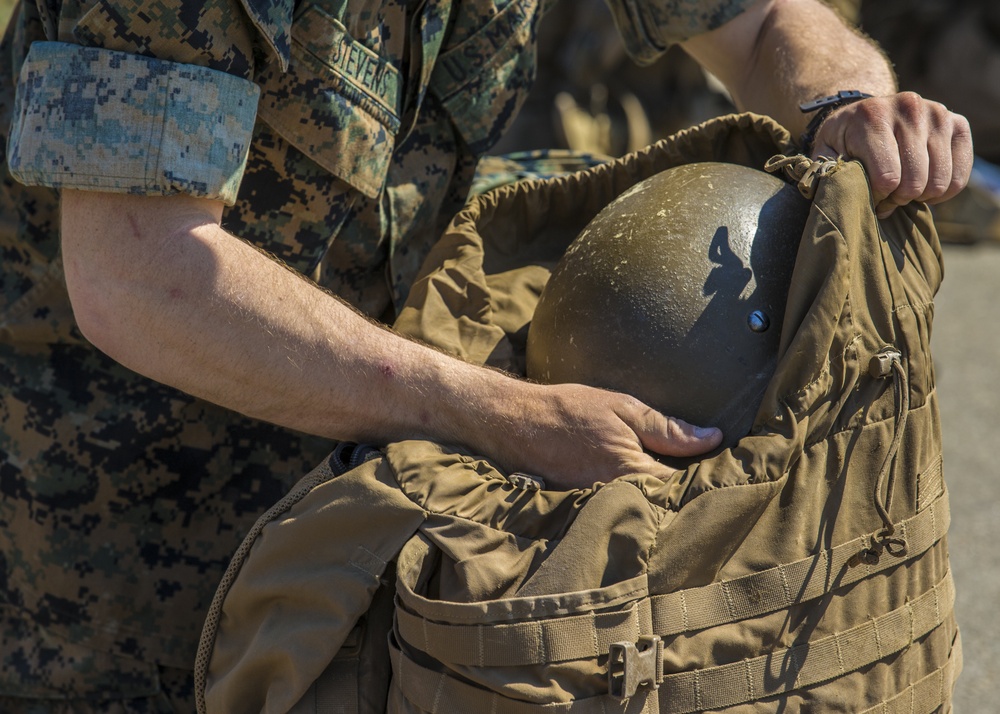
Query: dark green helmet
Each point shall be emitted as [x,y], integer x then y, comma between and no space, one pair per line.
[675,293]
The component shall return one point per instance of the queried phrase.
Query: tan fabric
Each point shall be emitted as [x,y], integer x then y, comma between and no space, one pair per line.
[266,642]
[766,571]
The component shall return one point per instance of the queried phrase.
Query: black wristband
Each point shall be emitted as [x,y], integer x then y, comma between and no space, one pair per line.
[823,107]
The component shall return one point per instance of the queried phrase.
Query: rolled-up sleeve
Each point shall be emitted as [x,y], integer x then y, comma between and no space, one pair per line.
[100,119]
[650,27]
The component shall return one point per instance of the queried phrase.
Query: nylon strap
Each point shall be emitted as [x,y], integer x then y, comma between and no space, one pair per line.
[542,641]
[926,695]
[778,672]
[780,587]
[536,607]
[439,693]
[525,643]
[336,690]
[812,662]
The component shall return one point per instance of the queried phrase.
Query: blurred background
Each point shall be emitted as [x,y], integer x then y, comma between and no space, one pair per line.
[590,97]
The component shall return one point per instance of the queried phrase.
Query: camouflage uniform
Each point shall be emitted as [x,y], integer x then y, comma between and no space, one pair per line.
[342,135]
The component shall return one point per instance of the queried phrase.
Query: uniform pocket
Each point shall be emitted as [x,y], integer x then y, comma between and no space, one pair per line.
[483,80]
[338,103]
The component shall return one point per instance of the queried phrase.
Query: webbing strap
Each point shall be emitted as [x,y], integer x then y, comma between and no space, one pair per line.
[926,695]
[336,691]
[812,662]
[525,643]
[782,586]
[715,687]
[542,641]
[439,693]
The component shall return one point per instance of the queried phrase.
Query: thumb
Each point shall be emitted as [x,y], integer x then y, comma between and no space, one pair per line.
[671,436]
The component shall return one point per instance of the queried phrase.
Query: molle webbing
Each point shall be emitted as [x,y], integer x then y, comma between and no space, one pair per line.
[828,657]
[927,694]
[726,685]
[438,693]
[526,643]
[785,585]
[542,641]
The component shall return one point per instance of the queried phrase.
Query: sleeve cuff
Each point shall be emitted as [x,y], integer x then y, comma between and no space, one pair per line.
[649,29]
[98,119]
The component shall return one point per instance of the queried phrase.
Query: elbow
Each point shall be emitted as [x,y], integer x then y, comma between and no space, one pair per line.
[95,264]
[122,303]
[126,259]
[94,295]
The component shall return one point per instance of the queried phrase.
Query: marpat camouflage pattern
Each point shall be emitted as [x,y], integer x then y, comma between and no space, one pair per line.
[342,135]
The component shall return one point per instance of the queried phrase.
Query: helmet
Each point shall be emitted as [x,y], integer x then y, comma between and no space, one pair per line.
[675,293]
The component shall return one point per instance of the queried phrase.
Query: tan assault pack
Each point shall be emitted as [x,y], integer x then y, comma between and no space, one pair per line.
[804,569]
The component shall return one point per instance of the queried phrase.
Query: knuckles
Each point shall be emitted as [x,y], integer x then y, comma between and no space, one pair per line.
[913,108]
[916,148]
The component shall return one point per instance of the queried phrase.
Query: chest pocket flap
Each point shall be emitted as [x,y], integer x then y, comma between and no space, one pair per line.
[483,80]
[272,20]
[338,103]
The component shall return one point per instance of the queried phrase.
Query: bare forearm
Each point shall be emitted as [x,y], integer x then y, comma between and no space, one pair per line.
[780,53]
[203,311]
[158,286]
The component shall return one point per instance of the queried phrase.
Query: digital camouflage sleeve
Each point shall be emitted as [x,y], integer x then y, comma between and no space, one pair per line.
[342,135]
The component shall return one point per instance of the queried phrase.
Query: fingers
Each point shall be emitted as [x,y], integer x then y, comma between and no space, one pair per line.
[912,149]
[577,435]
[960,152]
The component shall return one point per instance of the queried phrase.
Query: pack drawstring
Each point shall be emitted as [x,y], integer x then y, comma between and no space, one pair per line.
[888,363]
[805,172]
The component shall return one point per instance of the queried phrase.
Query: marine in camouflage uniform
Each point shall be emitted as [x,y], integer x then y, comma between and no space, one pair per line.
[342,135]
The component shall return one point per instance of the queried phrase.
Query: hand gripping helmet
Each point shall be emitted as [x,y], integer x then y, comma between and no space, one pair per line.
[675,293]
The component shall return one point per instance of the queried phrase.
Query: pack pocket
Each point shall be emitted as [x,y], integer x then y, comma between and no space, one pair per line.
[483,80]
[357,679]
[510,653]
[338,103]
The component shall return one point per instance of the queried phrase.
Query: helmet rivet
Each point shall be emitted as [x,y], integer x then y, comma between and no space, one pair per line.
[758,321]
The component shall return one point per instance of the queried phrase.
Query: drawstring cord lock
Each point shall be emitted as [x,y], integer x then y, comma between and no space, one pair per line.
[880,366]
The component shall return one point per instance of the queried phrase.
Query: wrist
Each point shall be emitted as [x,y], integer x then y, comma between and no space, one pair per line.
[499,415]
[823,108]
[463,403]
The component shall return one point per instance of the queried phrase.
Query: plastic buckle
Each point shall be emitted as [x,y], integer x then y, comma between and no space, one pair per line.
[631,666]
[525,482]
